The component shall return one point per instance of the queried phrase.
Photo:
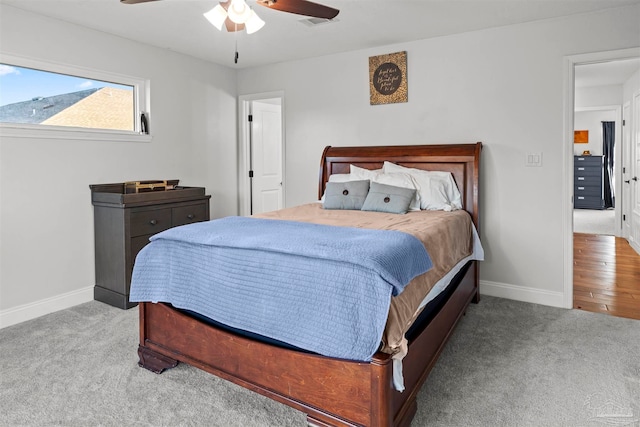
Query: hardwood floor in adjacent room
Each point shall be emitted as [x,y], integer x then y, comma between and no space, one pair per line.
[606,275]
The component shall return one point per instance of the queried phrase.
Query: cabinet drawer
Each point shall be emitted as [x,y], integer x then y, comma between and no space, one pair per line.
[188,214]
[150,221]
[137,243]
[587,180]
[587,190]
[587,171]
[595,202]
[587,160]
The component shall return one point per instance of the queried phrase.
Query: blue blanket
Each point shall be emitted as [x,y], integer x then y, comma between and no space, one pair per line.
[323,288]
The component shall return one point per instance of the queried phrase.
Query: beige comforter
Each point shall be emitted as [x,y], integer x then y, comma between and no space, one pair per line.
[447,236]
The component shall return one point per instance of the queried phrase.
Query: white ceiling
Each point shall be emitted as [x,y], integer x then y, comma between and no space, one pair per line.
[178,25]
[606,73]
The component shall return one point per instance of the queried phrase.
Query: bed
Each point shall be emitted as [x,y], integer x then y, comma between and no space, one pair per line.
[331,391]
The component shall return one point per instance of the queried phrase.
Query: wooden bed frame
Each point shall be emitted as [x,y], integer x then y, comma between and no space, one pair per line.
[332,392]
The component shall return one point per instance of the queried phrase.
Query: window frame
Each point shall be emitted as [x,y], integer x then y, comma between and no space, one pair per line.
[141,101]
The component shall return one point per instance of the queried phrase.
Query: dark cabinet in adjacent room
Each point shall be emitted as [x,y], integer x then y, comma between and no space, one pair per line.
[588,178]
[123,223]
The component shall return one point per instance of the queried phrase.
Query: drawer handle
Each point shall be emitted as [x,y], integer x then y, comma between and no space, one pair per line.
[580,197]
[191,216]
[580,169]
[580,188]
[153,222]
[580,159]
[581,178]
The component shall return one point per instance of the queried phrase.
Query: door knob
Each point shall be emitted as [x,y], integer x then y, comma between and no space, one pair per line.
[635,178]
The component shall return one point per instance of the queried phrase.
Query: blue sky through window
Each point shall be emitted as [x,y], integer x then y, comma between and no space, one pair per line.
[18,84]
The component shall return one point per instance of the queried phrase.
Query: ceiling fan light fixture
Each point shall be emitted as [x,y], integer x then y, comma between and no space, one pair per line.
[217,16]
[239,12]
[254,23]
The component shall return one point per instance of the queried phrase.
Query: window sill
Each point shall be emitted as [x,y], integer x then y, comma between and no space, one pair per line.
[51,132]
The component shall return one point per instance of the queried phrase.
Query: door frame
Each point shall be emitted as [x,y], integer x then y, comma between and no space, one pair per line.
[570,63]
[627,163]
[244,148]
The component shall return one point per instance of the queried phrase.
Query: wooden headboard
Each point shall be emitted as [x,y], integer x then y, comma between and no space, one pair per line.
[462,160]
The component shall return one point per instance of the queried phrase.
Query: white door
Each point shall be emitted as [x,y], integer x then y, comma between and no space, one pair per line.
[626,175]
[634,180]
[266,156]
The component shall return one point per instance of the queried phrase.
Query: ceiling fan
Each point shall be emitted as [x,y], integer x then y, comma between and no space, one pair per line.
[236,13]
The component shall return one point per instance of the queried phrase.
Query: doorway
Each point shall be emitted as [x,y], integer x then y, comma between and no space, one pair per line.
[591,213]
[571,64]
[261,153]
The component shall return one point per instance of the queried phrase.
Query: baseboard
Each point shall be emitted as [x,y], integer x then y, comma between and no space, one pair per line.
[521,293]
[35,309]
[30,311]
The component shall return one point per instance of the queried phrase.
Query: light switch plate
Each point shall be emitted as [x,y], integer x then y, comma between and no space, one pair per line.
[533,160]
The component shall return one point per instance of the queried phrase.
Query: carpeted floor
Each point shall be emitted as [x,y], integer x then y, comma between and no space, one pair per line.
[507,364]
[592,221]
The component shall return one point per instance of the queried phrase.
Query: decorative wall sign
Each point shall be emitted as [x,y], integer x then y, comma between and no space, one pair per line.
[581,136]
[388,78]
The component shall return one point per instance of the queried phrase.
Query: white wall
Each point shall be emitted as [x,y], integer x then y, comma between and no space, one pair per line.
[631,86]
[502,86]
[592,121]
[46,216]
[596,96]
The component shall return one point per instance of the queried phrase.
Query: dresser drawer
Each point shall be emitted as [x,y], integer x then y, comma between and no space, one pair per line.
[137,243]
[586,170]
[150,221]
[587,160]
[587,190]
[593,202]
[187,214]
[595,181]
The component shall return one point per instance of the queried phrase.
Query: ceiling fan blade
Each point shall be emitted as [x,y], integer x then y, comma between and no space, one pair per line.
[301,7]
[134,1]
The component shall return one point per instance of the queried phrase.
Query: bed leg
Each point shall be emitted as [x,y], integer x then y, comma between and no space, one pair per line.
[153,361]
[476,297]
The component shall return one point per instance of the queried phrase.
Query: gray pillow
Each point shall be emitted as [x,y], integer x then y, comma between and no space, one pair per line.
[388,198]
[346,195]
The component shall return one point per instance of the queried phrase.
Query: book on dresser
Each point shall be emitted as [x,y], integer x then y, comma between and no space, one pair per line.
[588,182]
[124,219]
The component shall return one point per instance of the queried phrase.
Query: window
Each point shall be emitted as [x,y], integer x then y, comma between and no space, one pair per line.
[59,100]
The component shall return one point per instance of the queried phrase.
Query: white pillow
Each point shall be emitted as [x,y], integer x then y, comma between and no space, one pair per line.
[403,180]
[341,177]
[437,190]
[358,173]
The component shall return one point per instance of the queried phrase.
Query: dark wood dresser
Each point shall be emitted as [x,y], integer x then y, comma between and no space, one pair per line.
[123,223]
[588,178]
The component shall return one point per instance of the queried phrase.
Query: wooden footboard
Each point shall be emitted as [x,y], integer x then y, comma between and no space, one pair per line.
[332,392]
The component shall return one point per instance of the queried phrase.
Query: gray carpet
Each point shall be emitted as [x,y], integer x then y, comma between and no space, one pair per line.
[592,221]
[507,364]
